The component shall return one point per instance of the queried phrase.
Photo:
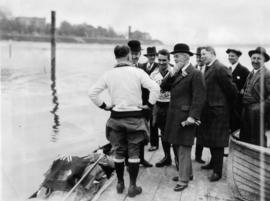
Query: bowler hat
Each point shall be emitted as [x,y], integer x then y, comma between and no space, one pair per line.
[260,50]
[134,45]
[151,51]
[181,48]
[237,52]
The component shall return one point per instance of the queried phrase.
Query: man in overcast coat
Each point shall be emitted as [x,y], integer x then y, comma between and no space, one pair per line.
[221,95]
[187,89]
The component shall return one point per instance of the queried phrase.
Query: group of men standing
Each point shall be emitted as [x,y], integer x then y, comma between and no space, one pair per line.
[207,101]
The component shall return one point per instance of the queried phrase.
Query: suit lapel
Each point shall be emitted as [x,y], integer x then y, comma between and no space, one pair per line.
[256,76]
[153,68]
[180,76]
[210,70]
[236,70]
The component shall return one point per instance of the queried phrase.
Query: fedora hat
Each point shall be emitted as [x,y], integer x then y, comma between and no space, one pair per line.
[151,51]
[237,52]
[134,45]
[260,50]
[181,48]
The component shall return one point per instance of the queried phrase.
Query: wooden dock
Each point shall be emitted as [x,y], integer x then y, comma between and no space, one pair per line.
[157,184]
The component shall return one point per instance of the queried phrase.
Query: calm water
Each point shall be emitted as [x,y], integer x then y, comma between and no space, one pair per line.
[45,114]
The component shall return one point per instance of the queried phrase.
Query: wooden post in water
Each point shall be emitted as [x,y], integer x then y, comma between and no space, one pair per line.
[53,42]
[53,79]
[10,48]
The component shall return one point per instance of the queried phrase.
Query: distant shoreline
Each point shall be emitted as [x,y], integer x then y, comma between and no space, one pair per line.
[70,39]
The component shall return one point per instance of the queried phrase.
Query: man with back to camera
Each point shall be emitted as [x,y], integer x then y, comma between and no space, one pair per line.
[126,128]
[149,67]
[221,94]
[239,76]
[251,130]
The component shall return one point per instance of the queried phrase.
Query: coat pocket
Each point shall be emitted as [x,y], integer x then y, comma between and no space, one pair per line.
[185,107]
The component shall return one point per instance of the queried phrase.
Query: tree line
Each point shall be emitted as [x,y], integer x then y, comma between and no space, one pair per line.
[32,27]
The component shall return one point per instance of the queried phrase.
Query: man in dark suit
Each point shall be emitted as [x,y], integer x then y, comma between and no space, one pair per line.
[221,93]
[200,66]
[187,89]
[256,100]
[149,67]
[135,47]
[239,76]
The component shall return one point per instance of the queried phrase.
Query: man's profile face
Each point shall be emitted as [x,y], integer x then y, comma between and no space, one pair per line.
[206,56]
[232,57]
[151,58]
[135,57]
[257,60]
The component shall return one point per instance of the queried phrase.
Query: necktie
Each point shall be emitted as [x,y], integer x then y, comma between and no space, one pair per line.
[149,67]
[230,68]
[206,68]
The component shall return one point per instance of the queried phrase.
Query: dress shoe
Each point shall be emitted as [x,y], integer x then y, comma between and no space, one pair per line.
[207,167]
[180,187]
[134,190]
[176,178]
[153,148]
[199,160]
[146,164]
[214,177]
[120,187]
[164,162]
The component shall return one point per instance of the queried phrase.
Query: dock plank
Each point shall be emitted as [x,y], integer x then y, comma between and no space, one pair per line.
[148,179]
[157,183]
[166,185]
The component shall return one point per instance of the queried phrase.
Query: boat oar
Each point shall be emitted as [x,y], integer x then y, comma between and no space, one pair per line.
[84,175]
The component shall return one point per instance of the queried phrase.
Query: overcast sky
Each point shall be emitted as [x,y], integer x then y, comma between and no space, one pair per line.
[190,21]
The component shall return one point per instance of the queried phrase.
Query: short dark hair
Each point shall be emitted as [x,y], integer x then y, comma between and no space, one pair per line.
[210,49]
[165,53]
[121,51]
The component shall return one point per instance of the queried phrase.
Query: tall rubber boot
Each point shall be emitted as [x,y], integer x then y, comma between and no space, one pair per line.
[133,189]
[119,169]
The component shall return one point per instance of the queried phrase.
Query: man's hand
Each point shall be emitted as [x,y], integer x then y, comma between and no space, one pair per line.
[190,121]
[108,107]
[175,69]
[144,107]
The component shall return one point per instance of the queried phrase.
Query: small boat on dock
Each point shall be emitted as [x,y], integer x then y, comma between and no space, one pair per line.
[249,170]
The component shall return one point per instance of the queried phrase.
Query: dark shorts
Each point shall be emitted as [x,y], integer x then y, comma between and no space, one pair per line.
[126,135]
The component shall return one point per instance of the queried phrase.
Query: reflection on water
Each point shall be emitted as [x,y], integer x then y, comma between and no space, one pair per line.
[56,121]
